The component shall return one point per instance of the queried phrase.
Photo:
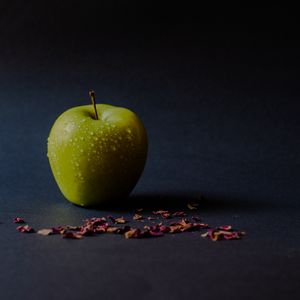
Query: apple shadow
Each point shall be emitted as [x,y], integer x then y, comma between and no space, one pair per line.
[179,201]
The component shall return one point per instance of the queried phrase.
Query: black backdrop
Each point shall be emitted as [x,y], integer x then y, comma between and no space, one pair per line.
[217,88]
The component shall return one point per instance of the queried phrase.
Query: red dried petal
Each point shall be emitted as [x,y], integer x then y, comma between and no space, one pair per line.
[217,234]
[151,218]
[25,229]
[86,230]
[18,220]
[95,221]
[231,236]
[166,215]
[225,227]
[100,229]
[200,225]
[164,228]
[58,230]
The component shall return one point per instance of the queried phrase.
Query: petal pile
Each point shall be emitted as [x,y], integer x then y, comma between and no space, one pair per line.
[115,225]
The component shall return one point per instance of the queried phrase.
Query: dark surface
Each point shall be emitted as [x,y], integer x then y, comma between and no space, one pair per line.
[219,100]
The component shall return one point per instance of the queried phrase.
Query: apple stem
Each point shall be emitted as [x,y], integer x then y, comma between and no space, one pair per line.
[93,97]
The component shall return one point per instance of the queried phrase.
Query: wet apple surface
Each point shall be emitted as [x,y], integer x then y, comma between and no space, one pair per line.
[97,161]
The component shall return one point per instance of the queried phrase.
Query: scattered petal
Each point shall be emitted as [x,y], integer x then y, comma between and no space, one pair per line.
[137,217]
[75,228]
[193,205]
[133,233]
[225,227]
[18,220]
[58,230]
[217,234]
[120,220]
[25,229]
[47,231]
[166,215]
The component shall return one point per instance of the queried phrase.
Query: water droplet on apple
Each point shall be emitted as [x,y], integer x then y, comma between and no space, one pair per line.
[113,148]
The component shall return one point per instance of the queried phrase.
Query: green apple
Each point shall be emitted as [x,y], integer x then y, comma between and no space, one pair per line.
[97,153]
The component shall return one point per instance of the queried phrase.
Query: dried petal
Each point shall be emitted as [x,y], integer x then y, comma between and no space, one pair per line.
[25,229]
[151,218]
[164,228]
[175,228]
[86,230]
[133,233]
[120,220]
[111,229]
[166,215]
[58,230]
[100,229]
[118,230]
[137,217]
[225,227]
[139,209]
[193,205]
[75,228]
[47,231]
[18,220]
[200,225]
[197,219]
[95,221]
[217,234]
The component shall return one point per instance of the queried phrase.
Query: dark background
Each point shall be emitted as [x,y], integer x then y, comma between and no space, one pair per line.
[218,90]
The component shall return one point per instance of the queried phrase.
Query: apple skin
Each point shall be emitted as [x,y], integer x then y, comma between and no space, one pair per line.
[93,161]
